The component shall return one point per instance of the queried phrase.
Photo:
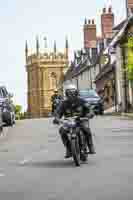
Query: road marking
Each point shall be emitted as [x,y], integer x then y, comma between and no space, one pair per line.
[24,161]
[2,175]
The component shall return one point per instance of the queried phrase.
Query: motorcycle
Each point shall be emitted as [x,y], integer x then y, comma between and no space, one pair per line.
[76,139]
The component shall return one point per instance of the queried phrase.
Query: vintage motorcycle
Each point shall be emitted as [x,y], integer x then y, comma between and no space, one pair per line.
[76,138]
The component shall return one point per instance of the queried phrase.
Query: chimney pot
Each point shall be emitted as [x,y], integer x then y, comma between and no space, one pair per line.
[93,21]
[104,10]
[85,21]
[89,21]
[110,9]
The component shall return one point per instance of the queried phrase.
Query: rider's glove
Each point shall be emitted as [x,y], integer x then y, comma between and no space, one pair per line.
[56,121]
[90,115]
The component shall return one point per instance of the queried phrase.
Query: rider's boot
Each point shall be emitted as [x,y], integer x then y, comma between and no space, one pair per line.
[92,149]
[68,150]
[90,144]
[68,153]
[67,145]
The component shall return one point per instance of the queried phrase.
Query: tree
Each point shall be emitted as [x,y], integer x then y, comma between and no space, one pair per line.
[130,59]
[18,109]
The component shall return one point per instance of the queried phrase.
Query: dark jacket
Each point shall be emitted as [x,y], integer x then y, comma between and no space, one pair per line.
[78,108]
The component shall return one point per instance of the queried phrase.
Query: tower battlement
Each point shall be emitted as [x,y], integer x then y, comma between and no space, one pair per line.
[47,55]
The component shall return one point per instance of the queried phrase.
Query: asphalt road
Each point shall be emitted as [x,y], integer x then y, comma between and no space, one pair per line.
[32,165]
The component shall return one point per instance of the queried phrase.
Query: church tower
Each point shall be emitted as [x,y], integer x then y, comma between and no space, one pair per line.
[44,69]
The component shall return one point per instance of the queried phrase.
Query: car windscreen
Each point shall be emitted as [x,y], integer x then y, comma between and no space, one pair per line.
[3,93]
[88,94]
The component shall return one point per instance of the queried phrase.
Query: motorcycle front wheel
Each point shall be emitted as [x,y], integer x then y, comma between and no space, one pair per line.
[83,150]
[75,151]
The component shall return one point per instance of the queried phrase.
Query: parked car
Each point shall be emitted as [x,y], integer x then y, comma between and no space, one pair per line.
[93,99]
[1,121]
[7,107]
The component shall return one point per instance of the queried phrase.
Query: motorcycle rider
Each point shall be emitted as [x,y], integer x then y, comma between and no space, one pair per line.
[73,106]
[54,97]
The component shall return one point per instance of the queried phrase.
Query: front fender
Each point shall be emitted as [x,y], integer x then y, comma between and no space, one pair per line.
[73,134]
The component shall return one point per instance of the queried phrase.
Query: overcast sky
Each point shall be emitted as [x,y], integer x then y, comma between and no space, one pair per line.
[23,20]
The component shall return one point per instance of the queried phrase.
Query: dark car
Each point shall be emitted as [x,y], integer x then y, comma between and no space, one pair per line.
[7,108]
[93,99]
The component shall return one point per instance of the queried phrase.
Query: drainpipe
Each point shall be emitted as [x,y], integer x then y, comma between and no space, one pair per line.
[77,83]
[127,14]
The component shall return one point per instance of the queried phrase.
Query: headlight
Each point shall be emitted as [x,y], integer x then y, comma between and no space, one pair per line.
[87,104]
[1,103]
[4,105]
[4,109]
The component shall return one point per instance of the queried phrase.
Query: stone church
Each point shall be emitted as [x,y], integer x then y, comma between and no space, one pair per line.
[45,70]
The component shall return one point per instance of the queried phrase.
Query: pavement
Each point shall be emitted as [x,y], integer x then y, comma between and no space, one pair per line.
[122,114]
[32,164]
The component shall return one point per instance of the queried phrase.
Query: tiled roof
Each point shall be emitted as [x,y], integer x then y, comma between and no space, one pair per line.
[105,70]
[82,66]
[108,68]
[75,70]
[120,25]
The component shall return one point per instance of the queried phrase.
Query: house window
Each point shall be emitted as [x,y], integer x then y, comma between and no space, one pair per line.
[131,10]
[101,45]
[94,54]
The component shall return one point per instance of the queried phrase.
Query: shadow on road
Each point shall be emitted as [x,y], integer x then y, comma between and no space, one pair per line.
[51,164]
[56,164]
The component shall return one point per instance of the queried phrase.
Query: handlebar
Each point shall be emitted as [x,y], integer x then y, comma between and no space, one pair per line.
[74,118]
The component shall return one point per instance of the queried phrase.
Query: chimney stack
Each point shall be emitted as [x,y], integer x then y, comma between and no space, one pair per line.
[129,7]
[90,34]
[107,23]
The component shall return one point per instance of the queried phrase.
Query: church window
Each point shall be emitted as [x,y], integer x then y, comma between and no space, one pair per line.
[53,80]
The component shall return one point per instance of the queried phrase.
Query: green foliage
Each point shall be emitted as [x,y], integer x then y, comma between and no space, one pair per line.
[130,59]
[18,112]
[18,109]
